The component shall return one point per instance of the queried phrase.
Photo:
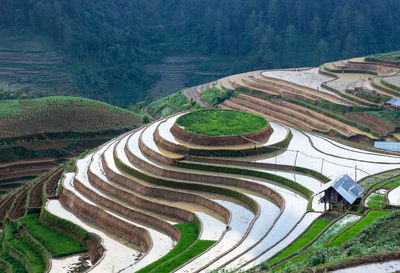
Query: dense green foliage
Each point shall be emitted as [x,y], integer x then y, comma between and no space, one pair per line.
[211,95]
[318,226]
[55,242]
[222,122]
[107,42]
[168,105]
[215,96]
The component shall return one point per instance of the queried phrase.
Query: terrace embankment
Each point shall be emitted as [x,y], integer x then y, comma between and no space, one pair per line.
[166,194]
[127,212]
[106,220]
[203,178]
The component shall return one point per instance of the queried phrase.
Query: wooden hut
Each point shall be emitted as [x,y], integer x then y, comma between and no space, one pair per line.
[340,192]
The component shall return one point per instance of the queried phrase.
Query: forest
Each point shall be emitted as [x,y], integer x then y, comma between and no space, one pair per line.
[107,43]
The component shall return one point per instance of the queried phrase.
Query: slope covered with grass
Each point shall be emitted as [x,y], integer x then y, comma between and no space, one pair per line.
[62,114]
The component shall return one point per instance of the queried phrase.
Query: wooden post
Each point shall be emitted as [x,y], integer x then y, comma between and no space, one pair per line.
[295,159]
[322,165]
[355,173]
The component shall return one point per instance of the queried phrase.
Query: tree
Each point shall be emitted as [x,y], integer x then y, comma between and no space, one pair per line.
[321,54]
[3,94]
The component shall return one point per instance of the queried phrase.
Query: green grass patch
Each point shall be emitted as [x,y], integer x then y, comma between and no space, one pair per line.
[392,185]
[303,240]
[58,244]
[354,230]
[378,186]
[222,122]
[376,201]
[34,258]
[198,248]
[335,229]
[187,245]
[189,234]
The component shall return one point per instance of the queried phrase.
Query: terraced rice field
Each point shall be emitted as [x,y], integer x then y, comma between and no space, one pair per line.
[30,64]
[132,193]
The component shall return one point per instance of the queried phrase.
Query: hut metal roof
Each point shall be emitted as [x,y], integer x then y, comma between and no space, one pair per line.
[394,101]
[345,186]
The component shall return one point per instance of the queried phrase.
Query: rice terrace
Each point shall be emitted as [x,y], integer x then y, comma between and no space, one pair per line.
[199,136]
[221,189]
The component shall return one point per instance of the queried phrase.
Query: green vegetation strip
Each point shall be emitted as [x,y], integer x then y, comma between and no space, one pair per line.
[224,169]
[392,185]
[390,57]
[186,249]
[9,262]
[67,227]
[189,234]
[356,228]
[222,122]
[380,185]
[336,228]
[32,257]
[374,238]
[56,243]
[376,201]
[315,229]
[198,248]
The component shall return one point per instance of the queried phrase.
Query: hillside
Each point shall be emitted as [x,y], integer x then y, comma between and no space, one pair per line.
[160,195]
[108,44]
[36,134]
[62,115]
[30,66]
